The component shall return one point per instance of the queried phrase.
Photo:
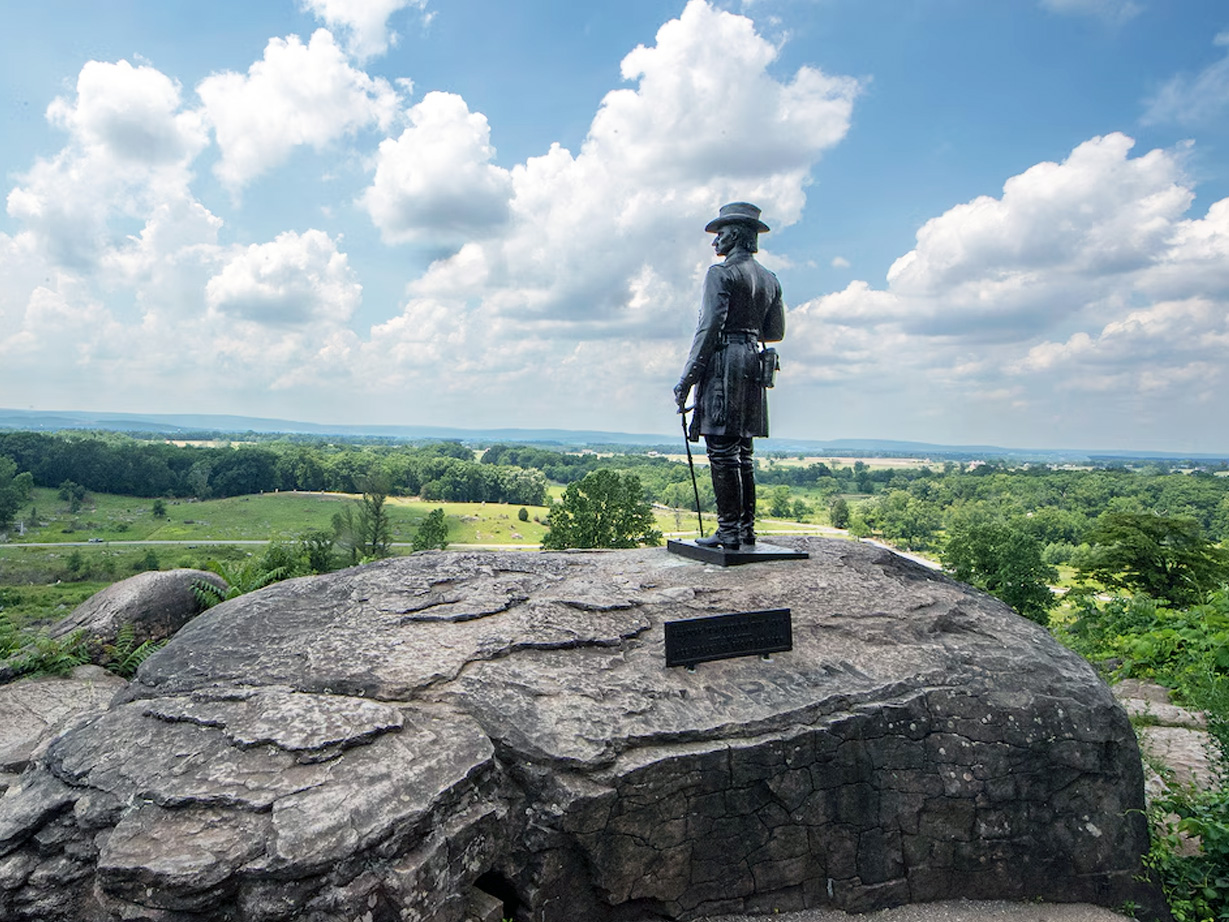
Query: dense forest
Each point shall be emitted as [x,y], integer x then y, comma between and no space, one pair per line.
[1055,506]
[912,506]
[108,463]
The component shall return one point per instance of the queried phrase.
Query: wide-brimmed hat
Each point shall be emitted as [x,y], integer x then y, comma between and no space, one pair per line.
[737,213]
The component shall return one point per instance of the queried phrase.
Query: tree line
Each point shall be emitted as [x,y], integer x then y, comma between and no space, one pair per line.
[108,463]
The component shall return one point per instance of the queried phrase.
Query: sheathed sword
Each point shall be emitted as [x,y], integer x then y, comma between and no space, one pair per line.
[691,466]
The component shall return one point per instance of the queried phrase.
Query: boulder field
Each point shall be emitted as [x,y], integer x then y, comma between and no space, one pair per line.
[467,735]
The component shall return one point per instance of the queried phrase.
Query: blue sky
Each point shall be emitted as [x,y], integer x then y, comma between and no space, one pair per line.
[998,222]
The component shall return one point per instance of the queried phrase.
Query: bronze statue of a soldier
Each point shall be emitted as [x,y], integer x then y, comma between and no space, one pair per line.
[730,369]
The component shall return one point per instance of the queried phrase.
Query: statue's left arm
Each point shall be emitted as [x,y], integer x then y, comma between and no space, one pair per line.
[774,321]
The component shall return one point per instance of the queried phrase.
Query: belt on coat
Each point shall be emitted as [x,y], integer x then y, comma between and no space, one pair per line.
[740,336]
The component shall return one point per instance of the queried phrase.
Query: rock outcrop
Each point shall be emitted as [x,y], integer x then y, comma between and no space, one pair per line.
[32,710]
[1173,739]
[377,743]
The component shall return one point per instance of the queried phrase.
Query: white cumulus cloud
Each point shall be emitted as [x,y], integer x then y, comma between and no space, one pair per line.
[1084,277]
[437,181]
[1060,238]
[295,95]
[363,22]
[129,150]
[657,162]
[293,280]
[593,271]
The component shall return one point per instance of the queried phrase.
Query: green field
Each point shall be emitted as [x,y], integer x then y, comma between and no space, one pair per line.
[111,537]
[262,517]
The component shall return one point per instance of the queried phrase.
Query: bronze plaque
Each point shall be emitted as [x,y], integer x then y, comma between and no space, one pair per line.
[746,633]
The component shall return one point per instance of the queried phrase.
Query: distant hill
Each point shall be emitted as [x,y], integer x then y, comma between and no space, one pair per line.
[181,424]
[191,423]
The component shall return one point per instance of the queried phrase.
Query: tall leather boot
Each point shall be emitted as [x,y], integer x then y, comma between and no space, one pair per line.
[746,521]
[727,489]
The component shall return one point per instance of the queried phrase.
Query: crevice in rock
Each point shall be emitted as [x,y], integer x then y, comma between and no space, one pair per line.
[498,886]
[191,719]
[472,614]
[571,643]
[587,605]
[577,643]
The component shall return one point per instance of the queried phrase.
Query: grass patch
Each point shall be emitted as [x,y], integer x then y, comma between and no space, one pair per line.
[32,605]
[262,517]
[468,523]
[102,516]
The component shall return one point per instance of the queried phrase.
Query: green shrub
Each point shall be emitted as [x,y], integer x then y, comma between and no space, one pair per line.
[1195,886]
[1186,650]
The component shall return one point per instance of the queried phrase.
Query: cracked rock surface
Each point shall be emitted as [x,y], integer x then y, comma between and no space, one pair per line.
[374,743]
[31,710]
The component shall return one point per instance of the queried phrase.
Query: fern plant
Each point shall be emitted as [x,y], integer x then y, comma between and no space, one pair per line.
[240,579]
[44,655]
[125,656]
[11,639]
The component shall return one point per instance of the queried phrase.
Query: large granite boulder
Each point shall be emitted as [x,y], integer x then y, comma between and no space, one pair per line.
[154,604]
[151,606]
[378,743]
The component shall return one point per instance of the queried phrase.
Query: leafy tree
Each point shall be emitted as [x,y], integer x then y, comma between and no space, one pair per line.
[242,471]
[681,495]
[316,547]
[1004,561]
[159,509]
[23,485]
[197,479]
[905,519]
[14,490]
[860,519]
[147,561]
[283,558]
[433,532]
[522,514]
[1167,557]
[74,563]
[73,494]
[604,509]
[781,506]
[838,512]
[374,527]
[346,534]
